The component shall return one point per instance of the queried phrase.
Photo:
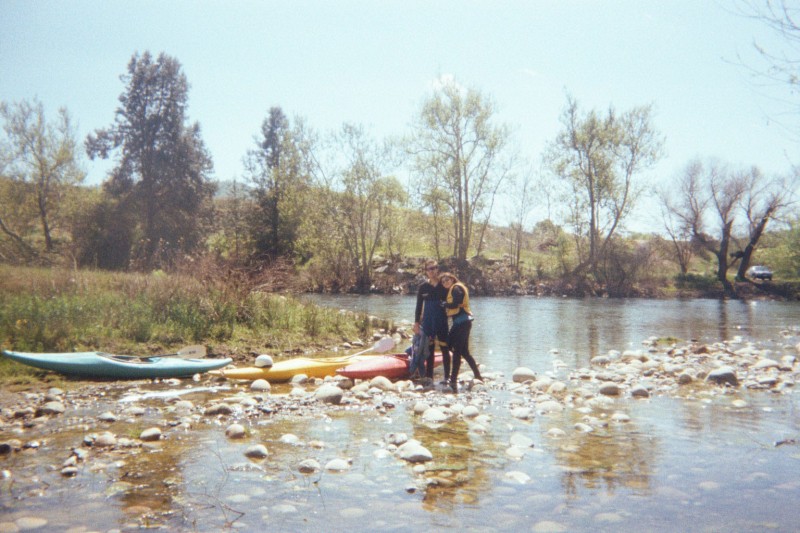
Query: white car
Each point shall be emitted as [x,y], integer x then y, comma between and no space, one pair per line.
[759,272]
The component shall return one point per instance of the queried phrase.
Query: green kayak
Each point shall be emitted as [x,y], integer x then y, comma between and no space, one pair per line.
[104,365]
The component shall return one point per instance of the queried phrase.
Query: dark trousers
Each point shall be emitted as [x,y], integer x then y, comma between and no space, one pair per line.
[459,344]
[432,358]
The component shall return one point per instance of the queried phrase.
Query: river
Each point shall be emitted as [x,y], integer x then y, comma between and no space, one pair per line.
[698,462]
[522,331]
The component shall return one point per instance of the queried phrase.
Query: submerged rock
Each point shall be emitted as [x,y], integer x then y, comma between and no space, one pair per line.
[256,451]
[308,466]
[723,375]
[235,431]
[414,452]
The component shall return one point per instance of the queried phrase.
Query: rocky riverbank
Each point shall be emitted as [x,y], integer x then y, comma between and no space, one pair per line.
[111,423]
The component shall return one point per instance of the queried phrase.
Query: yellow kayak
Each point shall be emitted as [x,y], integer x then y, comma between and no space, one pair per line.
[285,370]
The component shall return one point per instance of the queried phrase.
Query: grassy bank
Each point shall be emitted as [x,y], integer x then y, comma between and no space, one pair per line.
[72,310]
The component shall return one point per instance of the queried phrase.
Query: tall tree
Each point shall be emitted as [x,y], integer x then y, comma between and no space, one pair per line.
[163,170]
[38,161]
[457,149]
[357,197]
[276,171]
[705,201]
[600,158]
[709,202]
[521,204]
[763,200]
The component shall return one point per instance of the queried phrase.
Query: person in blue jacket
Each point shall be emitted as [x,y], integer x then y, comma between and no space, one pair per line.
[430,318]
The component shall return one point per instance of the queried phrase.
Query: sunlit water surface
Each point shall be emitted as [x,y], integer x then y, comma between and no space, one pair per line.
[679,464]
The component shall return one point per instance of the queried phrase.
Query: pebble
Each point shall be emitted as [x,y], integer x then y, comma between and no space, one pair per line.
[521,440]
[105,440]
[308,466]
[517,477]
[235,431]
[329,393]
[51,408]
[289,438]
[434,415]
[522,413]
[219,409]
[261,385]
[299,379]
[108,416]
[337,465]
[470,411]
[256,451]
[414,452]
[28,523]
[610,389]
[264,361]
[549,406]
[522,375]
[722,376]
[150,434]
[382,383]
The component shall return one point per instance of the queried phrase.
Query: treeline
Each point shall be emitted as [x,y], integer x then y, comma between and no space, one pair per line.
[330,204]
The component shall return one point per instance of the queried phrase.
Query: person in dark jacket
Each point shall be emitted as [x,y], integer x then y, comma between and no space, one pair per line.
[431,318]
[458,311]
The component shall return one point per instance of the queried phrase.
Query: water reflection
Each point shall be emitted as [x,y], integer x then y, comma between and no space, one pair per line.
[459,475]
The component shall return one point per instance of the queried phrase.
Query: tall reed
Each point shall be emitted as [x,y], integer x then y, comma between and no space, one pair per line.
[66,310]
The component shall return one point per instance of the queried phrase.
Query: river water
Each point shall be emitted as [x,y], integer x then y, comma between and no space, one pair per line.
[694,463]
[522,331]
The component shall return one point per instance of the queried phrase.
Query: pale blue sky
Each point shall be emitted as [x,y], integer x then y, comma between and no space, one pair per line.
[373,62]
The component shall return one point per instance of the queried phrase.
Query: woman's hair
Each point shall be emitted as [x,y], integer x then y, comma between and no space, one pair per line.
[447,275]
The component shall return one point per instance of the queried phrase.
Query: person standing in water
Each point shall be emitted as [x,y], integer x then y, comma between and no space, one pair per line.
[457,305]
[430,319]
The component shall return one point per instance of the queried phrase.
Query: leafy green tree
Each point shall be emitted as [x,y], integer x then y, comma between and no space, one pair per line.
[356,198]
[280,181]
[460,156]
[38,166]
[600,158]
[162,172]
[103,234]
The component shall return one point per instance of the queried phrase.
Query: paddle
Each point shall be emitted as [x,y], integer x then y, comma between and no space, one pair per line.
[198,351]
[382,346]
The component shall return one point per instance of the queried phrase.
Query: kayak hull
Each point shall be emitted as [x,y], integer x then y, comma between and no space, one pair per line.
[103,365]
[392,366]
[286,370]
